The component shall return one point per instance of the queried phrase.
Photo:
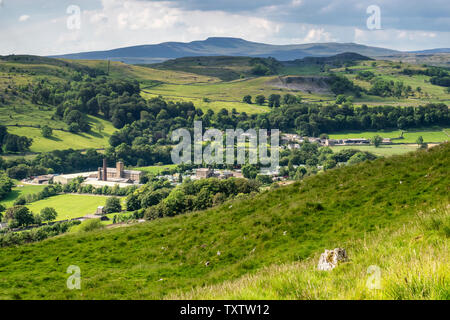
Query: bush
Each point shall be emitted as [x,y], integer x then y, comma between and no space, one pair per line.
[90,225]
[113,205]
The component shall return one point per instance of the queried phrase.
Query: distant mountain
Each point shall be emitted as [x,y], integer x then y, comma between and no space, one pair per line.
[432,51]
[215,46]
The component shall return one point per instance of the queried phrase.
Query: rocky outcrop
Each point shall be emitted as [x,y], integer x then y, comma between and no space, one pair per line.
[331,258]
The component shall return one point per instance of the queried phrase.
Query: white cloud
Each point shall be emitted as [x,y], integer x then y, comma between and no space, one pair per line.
[24,18]
[318,35]
[401,39]
[116,23]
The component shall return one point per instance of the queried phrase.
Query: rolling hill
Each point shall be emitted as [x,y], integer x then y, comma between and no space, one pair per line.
[217,46]
[357,207]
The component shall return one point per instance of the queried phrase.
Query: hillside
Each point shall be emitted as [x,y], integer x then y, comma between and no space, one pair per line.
[219,46]
[287,225]
[224,67]
[19,75]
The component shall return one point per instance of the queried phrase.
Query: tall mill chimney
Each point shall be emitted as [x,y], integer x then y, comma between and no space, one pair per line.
[105,171]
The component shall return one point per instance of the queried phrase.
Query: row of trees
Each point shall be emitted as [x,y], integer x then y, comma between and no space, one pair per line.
[35,234]
[21,216]
[274,100]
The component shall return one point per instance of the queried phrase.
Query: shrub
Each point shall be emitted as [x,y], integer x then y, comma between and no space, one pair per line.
[90,225]
[113,205]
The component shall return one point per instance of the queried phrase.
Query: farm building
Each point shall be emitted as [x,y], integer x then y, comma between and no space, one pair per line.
[45,179]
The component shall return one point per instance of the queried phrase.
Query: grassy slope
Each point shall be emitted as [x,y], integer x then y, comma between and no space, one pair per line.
[226,94]
[22,112]
[61,140]
[225,68]
[413,264]
[153,259]
[146,76]
[387,70]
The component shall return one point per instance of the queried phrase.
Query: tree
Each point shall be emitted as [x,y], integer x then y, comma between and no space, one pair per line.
[377,140]
[264,179]
[250,171]
[260,99]
[48,214]
[100,127]
[420,143]
[20,215]
[340,99]
[357,158]
[247,99]
[46,131]
[5,185]
[274,100]
[2,209]
[113,205]
[289,99]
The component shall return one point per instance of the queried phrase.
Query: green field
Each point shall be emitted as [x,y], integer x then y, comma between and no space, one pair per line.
[348,207]
[69,206]
[20,191]
[383,150]
[226,94]
[61,140]
[429,135]
[155,169]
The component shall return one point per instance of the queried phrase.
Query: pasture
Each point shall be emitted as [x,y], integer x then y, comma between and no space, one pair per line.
[70,206]
[429,135]
[16,192]
[156,169]
[383,150]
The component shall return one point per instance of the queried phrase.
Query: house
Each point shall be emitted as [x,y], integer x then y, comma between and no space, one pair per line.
[100,210]
[204,173]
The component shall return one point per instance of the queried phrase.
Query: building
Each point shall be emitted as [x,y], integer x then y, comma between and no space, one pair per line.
[118,174]
[104,176]
[67,178]
[45,179]
[100,210]
[204,173]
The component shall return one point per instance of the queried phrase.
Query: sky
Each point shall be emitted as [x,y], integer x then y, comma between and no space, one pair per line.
[68,26]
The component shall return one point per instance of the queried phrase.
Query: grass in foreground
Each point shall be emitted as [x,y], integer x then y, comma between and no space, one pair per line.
[410,262]
[154,260]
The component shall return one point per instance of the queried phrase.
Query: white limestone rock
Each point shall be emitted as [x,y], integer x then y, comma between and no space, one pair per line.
[331,258]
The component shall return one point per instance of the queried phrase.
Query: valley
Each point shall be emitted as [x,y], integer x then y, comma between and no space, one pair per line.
[87,176]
